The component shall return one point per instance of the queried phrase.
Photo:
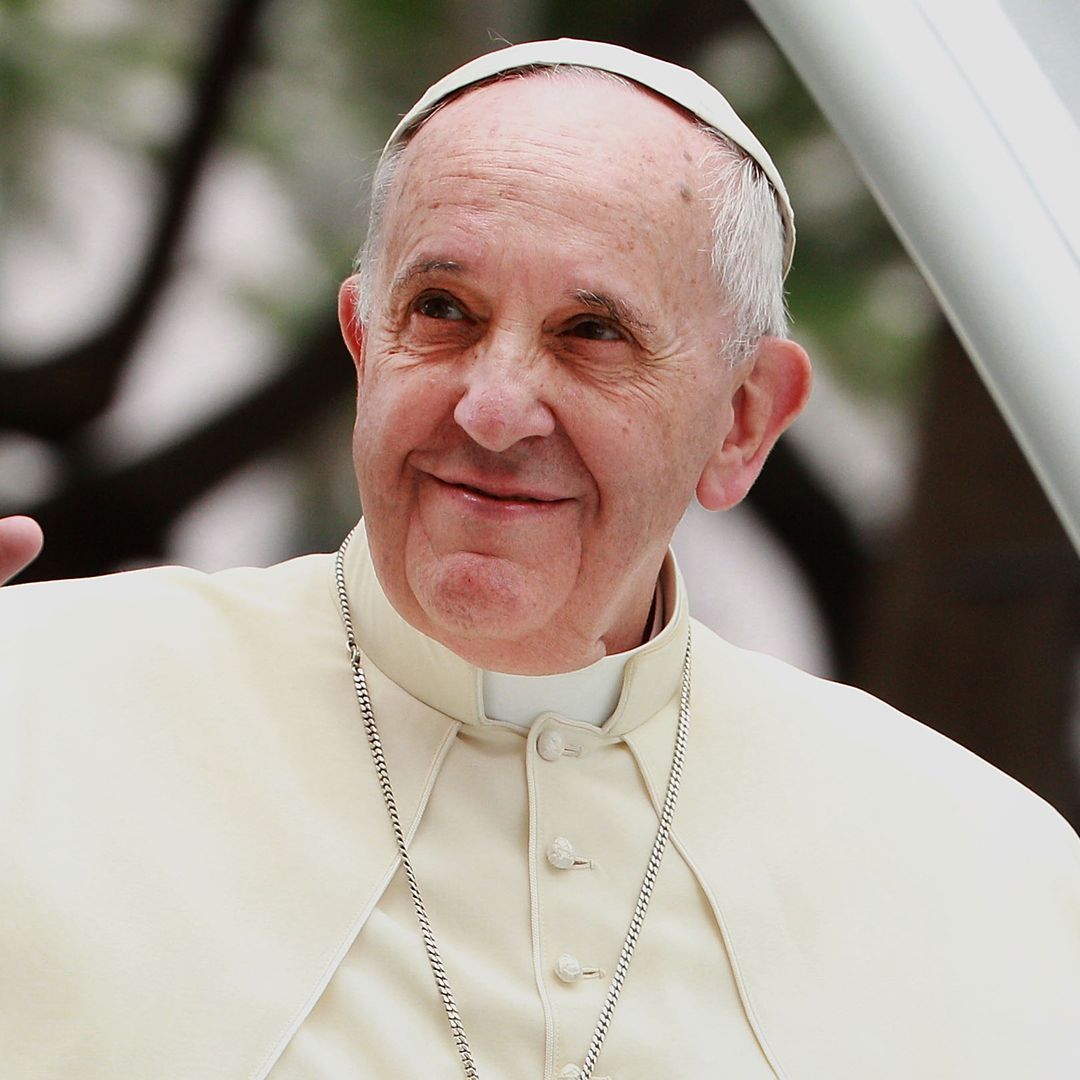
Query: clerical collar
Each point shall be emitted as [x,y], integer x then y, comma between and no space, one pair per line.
[589,694]
[432,674]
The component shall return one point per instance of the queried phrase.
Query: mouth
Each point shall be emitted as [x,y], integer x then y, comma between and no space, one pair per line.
[499,494]
[511,496]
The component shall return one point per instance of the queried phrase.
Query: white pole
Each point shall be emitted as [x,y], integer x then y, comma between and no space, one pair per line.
[976,162]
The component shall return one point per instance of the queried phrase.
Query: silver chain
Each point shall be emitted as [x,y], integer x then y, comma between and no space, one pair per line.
[442,980]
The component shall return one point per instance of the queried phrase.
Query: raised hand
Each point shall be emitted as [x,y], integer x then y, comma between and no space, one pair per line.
[20,542]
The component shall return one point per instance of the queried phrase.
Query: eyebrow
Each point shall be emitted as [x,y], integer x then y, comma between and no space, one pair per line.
[617,309]
[422,267]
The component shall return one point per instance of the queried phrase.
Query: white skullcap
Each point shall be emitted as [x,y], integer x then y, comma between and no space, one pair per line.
[675,83]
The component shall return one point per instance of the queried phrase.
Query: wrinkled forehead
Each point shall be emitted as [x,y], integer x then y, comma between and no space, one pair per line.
[612,163]
[553,172]
[674,84]
[565,120]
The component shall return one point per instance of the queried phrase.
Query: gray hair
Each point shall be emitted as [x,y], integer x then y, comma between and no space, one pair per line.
[747,228]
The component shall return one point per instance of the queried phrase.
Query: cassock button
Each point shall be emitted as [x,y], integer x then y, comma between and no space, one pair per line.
[569,968]
[561,853]
[550,745]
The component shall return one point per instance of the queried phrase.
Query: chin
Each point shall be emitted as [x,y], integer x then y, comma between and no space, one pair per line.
[481,597]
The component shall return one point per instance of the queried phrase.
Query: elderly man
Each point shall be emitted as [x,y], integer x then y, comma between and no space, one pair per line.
[476,797]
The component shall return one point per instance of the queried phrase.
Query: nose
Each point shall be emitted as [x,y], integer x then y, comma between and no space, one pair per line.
[502,400]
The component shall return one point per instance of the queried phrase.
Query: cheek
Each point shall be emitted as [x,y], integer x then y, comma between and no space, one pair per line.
[380,444]
[630,468]
[647,468]
[398,408]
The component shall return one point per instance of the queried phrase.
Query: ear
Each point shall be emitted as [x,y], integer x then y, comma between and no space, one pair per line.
[774,387]
[352,329]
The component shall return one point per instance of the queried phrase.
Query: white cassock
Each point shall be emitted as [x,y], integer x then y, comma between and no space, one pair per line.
[198,880]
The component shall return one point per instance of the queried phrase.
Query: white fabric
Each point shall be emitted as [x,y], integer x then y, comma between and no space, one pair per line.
[197,878]
[588,695]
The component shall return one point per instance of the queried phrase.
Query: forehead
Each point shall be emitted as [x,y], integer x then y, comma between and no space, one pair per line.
[581,107]
[574,146]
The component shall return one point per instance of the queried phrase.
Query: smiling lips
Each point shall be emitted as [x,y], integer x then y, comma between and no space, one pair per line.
[497,495]
[503,498]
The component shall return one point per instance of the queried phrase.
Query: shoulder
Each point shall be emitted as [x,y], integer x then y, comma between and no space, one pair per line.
[160,600]
[854,763]
[844,845]
[106,640]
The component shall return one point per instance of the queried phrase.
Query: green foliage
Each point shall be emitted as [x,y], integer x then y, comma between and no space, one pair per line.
[325,84]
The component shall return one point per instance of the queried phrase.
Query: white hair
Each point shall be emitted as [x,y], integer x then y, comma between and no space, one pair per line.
[748,244]
[747,228]
[367,259]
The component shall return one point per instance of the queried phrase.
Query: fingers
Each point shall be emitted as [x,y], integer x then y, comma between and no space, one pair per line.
[20,542]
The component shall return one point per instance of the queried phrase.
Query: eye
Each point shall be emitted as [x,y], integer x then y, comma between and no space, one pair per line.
[596,330]
[439,306]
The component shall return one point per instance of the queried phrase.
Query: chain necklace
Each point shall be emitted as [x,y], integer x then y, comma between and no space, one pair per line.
[442,980]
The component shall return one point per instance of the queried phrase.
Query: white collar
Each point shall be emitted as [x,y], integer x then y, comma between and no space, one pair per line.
[589,694]
[433,674]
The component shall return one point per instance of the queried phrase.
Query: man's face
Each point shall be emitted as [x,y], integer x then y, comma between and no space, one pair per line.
[540,380]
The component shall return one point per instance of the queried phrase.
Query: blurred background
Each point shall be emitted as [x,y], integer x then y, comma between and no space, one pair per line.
[183,186]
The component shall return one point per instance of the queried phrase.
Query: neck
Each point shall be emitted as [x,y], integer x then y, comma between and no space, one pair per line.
[588,695]
[554,649]
[441,679]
